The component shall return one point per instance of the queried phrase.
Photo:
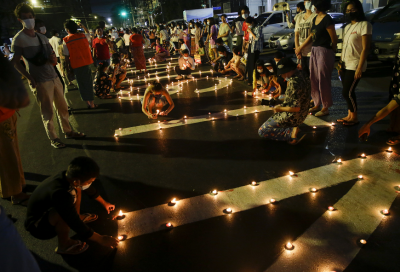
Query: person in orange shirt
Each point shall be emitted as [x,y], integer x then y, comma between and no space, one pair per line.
[137,52]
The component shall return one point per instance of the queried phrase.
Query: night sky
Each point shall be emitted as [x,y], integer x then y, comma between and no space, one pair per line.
[102,7]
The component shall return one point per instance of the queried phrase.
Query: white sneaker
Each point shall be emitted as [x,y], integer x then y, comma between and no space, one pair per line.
[190,76]
[179,77]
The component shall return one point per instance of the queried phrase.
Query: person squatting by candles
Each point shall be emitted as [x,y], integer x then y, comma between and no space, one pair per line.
[118,70]
[154,99]
[283,124]
[185,65]
[223,58]
[54,208]
[235,65]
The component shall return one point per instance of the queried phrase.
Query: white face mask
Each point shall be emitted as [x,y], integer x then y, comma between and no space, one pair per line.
[185,58]
[208,23]
[271,70]
[28,23]
[42,30]
[313,9]
[245,15]
[308,5]
[190,25]
[260,70]
[84,187]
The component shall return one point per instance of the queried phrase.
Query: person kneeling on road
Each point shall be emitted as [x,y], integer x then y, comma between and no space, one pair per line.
[154,99]
[283,125]
[54,208]
[185,66]
[223,58]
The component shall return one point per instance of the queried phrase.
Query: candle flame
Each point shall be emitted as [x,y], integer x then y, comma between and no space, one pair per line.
[390,149]
[272,200]
[360,176]
[120,237]
[331,208]
[228,210]
[291,173]
[362,241]
[289,245]
[339,160]
[120,213]
[214,192]
[173,200]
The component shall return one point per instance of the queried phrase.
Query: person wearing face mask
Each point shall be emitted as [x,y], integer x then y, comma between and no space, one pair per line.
[224,57]
[40,27]
[45,84]
[237,26]
[256,44]
[225,32]
[260,77]
[324,40]
[293,110]
[54,208]
[154,99]
[182,47]
[302,31]
[299,10]
[185,66]
[356,43]
[245,14]
[55,41]
[174,39]
[212,38]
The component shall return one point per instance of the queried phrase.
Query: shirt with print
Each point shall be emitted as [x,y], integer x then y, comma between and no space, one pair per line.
[28,47]
[297,95]
[320,36]
[303,26]
[257,43]
[352,44]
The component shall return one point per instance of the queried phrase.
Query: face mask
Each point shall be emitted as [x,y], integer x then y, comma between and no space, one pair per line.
[185,58]
[245,15]
[250,27]
[42,30]
[208,23]
[287,78]
[312,9]
[221,55]
[271,70]
[351,16]
[260,70]
[190,25]
[28,23]
[84,187]
[308,5]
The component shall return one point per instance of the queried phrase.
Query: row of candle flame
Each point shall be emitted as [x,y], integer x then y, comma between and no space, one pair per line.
[289,245]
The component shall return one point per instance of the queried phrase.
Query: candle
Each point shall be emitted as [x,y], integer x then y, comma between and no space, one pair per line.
[173,201]
[185,116]
[385,212]
[272,200]
[362,241]
[245,107]
[168,225]
[291,173]
[214,192]
[339,161]
[313,190]
[225,110]
[289,246]
[120,215]
[228,210]
[389,150]
[122,237]
[253,183]
[213,118]
[360,177]
[332,124]
[115,135]
[314,127]
[331,208]
[363,156]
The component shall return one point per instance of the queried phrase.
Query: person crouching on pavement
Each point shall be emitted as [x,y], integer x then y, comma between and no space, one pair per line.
[223,58]
[185,65]
[154,99]
[118,71]
[283,124]
[54,208]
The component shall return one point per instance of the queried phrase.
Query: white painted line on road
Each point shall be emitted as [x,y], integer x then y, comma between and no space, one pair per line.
[310,120]
[378,188]
[331,242]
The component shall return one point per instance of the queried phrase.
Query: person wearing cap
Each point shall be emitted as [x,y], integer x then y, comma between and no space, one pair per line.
[291,113]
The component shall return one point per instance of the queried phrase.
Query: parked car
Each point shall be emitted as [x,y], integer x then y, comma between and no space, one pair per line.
[284,39]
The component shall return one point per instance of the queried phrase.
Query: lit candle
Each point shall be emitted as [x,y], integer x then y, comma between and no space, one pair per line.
[389,150]
[310,113]
[185,117]
[363,156]
[120,128]
[339,161]
[362,241]
[225,110]
[228,210]
[168,225]
[331,208]
[158,111]
[245,107]
[115,135]
[313,190]
[332,124]
[214,192]
[360,177]
[213,118]
[120,215]
[291,173]
[272,200]
[385,212]
[314,127]
[122,237]
[253,183]
[289,246]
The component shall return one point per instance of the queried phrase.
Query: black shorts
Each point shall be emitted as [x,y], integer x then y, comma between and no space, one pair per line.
[42,229]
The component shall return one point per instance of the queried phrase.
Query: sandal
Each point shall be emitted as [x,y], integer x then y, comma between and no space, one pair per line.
[95,107]
[394,140]
[22,201]
[350,123]
[89,217]
[74,135]
[341,120]
[74,249]
[241,79]
[56,143]
[295,141]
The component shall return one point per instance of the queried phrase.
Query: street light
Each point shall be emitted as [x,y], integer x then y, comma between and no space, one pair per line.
[34,2]
[123,13]
[109,19]
[95,17]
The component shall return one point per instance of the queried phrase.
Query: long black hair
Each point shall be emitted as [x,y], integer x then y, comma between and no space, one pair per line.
[260,63]
[358,6]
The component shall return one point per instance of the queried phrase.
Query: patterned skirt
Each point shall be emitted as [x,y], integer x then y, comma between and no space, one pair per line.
[193,46]
[139,58]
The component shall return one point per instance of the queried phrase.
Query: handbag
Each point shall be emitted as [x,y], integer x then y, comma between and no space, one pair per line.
[41,57]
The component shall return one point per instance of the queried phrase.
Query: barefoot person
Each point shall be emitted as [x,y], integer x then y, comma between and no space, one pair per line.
[154,99]
[54,208]
[236,65]
[283,125]
[185,66]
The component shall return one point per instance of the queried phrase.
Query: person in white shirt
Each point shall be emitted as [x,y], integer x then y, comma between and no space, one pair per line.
[356,42]
[55,41]
[126,39]
[299,10]
[185,65]
[182,47]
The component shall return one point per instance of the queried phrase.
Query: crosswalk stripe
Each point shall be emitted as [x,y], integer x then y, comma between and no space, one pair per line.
[310,120]
[243,198]
[331,241]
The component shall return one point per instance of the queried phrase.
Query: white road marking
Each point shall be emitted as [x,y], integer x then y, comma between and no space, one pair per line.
[371,194]
[331,241]
[310,121]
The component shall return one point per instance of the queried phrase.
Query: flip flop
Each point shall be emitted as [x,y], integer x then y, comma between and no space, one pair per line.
[295,141]
[22,202]
[395,140]
[350,123]
[341,120]
[89,217]
[72,249]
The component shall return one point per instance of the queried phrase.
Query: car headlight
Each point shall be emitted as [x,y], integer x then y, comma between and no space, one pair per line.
[287,36]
